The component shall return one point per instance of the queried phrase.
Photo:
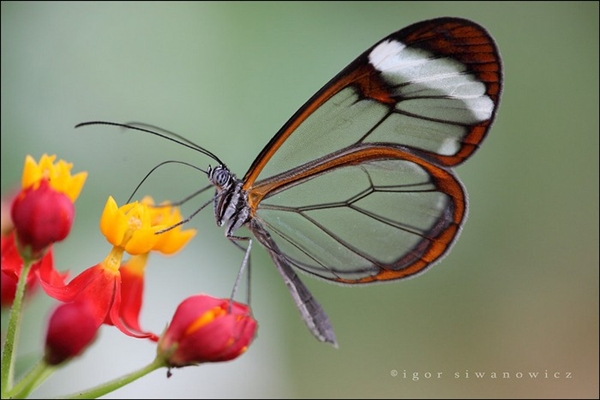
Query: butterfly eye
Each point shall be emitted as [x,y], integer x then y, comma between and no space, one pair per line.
[220,177]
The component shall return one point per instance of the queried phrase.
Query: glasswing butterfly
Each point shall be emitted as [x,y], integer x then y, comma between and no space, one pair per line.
[357,187]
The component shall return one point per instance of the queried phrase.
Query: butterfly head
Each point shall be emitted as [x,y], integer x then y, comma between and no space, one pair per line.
[220,176]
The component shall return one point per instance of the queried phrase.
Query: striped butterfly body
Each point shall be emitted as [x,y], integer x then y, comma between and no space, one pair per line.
[357,186]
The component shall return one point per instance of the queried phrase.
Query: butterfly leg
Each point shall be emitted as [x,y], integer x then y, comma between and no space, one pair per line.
[246,264]
[311,311]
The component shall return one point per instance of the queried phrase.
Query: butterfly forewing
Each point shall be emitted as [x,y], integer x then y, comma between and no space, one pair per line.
[433,86]
[355,187]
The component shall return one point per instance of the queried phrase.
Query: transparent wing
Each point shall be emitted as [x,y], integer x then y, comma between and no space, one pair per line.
[432,88]
[386,216]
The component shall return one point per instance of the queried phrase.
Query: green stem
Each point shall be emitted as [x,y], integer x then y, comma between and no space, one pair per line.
[32,380]
[115,384]
[12,332]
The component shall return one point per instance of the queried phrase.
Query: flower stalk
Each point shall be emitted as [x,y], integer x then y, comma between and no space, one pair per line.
[12,331]
[115,384]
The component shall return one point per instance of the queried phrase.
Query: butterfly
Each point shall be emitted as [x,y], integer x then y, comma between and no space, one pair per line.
[357,187]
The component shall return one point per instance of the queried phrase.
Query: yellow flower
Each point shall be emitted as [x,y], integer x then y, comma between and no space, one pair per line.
[58,175]
[134,227]
[173,240]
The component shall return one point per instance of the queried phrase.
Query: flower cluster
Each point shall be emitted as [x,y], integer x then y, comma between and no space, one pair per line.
[203,329]
[112,289]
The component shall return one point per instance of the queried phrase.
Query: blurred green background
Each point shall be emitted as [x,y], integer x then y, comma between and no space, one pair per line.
[518,293]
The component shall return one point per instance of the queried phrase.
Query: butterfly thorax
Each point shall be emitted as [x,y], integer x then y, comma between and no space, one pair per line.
[231,201]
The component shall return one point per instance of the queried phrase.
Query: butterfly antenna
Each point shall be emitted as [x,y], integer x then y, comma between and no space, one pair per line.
[163,164]
[165,134]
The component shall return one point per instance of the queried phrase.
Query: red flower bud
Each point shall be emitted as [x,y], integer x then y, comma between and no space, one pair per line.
[206,329]
[70,330]
[41,216]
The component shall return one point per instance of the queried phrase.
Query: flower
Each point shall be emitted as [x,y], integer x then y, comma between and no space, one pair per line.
[58,174]
[132,290]
[42,212]
[70,331]
[12,264]
[41,217]
[207,329]
[174,239]
[11,270]
[129,227]
[134,227]
[113,289]
[9,288]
